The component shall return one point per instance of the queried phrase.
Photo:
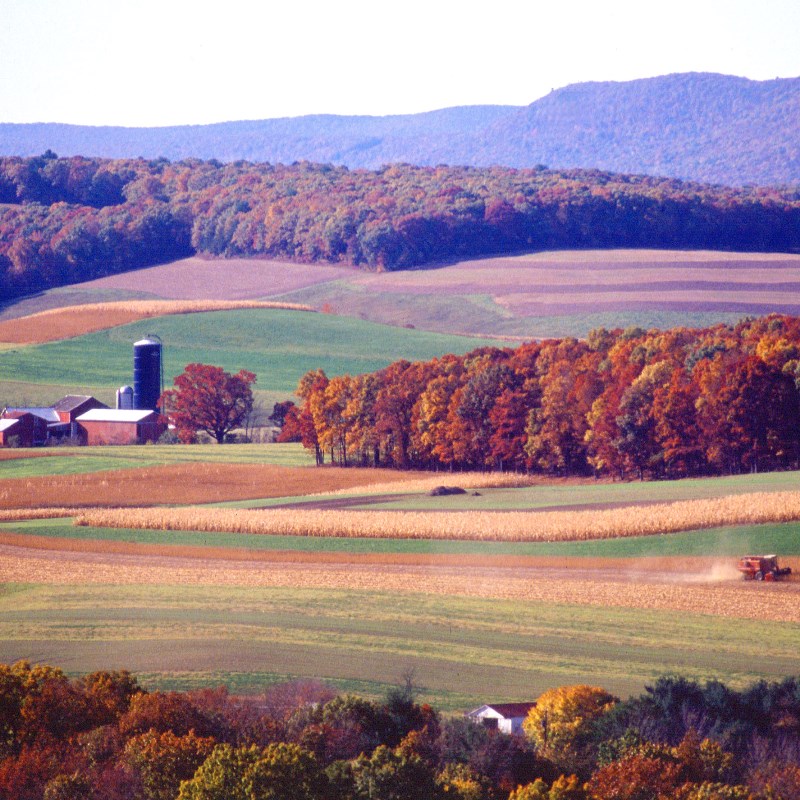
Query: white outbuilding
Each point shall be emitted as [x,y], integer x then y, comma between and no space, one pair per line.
[505,717]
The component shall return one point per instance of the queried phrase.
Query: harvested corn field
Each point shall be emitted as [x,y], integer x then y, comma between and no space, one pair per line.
[65,323]
[663,584]
[518,526]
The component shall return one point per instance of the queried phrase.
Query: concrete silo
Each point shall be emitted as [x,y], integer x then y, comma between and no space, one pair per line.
[125,398]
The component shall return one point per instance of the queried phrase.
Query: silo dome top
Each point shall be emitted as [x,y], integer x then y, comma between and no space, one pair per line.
[148,340]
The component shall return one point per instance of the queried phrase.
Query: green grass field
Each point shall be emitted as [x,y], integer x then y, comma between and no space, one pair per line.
[463,651]
[727,542]
[567,495]
[75,460]
[278,346]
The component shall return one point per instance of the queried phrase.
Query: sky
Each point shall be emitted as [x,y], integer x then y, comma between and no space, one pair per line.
[175,62]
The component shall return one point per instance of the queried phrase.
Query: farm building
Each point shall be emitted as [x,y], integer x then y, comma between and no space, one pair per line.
[21,429]
[70,407]
[121,426]
[59,420]
[505,717]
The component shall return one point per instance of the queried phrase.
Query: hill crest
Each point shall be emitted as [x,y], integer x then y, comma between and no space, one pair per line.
[694,126]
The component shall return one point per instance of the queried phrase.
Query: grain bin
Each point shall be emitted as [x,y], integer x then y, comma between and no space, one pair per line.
[125,398]
[148,378]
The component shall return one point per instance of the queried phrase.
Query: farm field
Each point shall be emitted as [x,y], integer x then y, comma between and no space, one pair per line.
[525,296]
[183,608]
[70,321]
[698,548]
[182,623]
[508,619]
[279,346]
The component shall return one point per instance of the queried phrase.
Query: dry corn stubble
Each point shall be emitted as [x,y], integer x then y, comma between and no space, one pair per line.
[519,526]
[605,588]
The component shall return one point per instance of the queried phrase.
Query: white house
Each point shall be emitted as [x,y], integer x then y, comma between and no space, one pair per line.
[506,717]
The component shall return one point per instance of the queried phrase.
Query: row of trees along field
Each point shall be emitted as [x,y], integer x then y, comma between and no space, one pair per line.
[64,220]
[626,402]
[103,737]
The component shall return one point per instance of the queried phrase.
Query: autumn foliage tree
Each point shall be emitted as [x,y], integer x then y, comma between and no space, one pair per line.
[65,220]
[560,724]
[629,403]
[206,398]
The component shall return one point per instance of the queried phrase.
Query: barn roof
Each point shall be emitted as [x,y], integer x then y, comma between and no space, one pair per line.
[5,424]
[115,415]
[48,413]
[71,401]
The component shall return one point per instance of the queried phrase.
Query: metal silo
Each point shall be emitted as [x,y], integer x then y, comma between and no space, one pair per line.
[147,373]
[125,397]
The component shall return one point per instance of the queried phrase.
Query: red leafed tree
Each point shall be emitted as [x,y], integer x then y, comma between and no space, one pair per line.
[207,398]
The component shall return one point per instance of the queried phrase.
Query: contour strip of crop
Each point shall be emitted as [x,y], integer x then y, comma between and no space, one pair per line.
[68,321]
[517,526]
[15,514]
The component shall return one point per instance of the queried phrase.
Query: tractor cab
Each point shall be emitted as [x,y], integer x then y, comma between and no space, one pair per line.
[762,568]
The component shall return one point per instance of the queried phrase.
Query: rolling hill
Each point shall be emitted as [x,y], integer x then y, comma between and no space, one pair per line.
[695,126]
[278,345]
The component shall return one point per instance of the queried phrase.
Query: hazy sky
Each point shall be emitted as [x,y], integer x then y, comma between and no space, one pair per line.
[165,62]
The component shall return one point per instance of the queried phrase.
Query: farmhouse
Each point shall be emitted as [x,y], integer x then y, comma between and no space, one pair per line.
[506,717]
[120,426]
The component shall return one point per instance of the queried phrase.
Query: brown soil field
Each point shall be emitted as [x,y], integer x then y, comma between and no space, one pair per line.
[186,483]
[528,285]
[661,584]
[14,454]
[545,284]
[200,278]
[65,323]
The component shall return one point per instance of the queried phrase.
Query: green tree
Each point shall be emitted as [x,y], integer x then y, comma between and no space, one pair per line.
[278,772]
[387,775]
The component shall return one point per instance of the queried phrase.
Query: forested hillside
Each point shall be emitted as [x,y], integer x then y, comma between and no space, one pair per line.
[627,403]
[695,126]
[105,737]
[64,220]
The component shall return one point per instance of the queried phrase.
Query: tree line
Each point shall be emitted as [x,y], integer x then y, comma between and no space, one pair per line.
[103,736]
[628,403]
[64,220]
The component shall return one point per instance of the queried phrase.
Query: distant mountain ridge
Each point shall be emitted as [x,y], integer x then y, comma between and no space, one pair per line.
[694,126]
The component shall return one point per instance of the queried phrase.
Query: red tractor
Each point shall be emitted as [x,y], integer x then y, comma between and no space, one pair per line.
[762,568]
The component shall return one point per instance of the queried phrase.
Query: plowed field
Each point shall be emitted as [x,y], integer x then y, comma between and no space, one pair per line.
[185,483]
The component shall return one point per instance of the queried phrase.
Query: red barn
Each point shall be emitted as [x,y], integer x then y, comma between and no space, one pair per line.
[22,429]
[70,407]
[121,426]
